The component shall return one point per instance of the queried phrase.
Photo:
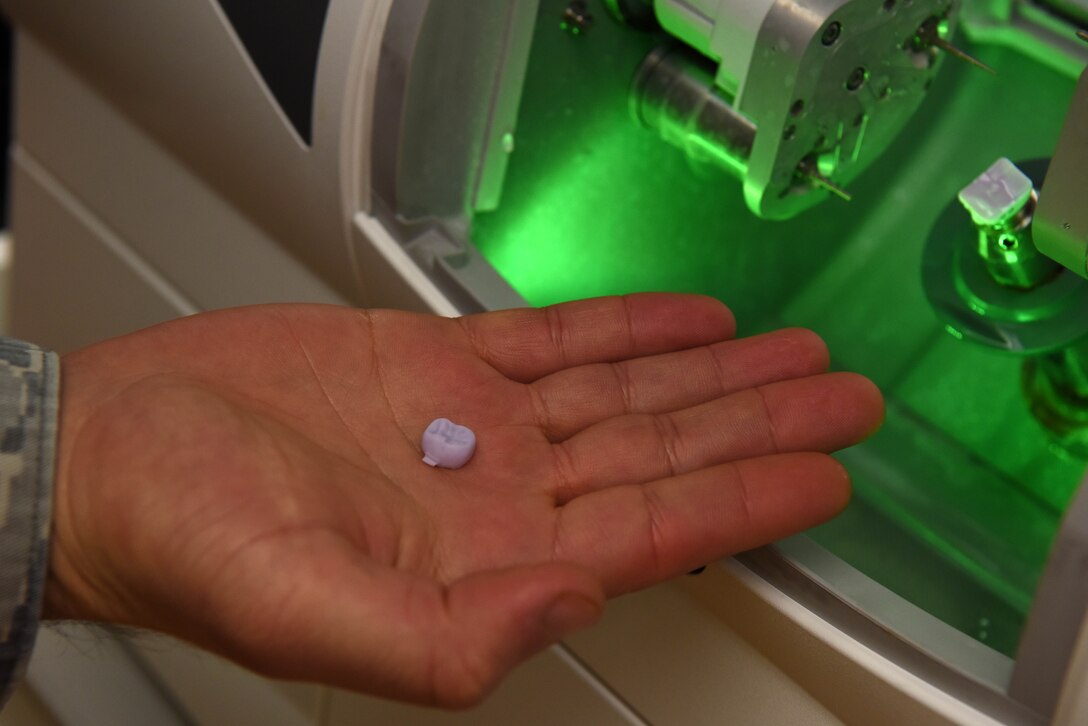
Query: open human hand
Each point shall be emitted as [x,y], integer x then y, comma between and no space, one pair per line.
[251,480]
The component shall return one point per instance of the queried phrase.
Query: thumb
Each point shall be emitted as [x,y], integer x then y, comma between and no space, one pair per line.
[364,627]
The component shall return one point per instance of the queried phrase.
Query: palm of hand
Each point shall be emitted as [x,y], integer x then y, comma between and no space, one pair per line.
[251,480]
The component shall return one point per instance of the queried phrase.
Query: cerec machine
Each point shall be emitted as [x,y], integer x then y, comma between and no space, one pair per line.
[455,156]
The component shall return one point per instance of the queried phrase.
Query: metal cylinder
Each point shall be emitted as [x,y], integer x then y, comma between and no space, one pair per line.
[729,30]
[1010,253]
[1056,386]
[674,94]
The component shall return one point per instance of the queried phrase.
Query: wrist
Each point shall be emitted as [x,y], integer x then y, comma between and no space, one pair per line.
[70,592]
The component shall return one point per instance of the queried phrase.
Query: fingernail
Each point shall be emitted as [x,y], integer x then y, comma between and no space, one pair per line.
[570,613]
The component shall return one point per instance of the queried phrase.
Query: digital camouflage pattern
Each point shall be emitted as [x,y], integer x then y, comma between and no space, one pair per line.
[29,386]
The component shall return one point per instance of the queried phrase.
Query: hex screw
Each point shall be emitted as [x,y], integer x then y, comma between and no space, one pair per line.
[832,34]
[857,79]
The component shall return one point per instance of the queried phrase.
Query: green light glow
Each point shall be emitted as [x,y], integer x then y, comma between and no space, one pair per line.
[958,498]
[566,264]
[1030,39]
[714,153]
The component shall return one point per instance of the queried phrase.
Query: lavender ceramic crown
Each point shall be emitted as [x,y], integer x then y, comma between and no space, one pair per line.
[447,445]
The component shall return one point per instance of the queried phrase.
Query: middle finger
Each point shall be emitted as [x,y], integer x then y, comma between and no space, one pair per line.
[570,401]
[819,414]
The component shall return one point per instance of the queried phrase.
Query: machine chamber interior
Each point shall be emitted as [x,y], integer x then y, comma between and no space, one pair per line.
[958,498]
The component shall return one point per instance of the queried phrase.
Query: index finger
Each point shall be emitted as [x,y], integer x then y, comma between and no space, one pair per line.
[528,344]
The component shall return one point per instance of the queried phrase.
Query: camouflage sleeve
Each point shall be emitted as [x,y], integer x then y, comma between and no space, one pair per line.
[29,386]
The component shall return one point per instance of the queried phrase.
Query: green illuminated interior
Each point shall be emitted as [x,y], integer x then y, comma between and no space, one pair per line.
[958,498]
